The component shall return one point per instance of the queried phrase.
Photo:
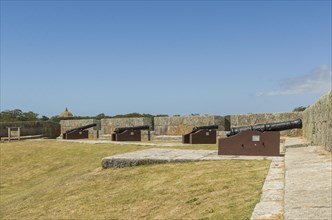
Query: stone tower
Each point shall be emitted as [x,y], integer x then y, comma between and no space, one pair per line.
[66,114]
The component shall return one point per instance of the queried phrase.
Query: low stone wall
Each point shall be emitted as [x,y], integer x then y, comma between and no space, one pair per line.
[45,128]
[108,125]
[184,124]
[317,122]
[265,118]
[70,124]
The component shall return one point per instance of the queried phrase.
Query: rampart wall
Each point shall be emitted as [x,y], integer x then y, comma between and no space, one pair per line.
[45,128]
[108,125]
[317,122]
[184,124]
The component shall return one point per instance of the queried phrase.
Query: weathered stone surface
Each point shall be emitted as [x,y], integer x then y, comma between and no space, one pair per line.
[317,122]
[308,189]
[265,118]
[295,142]
[270,210]
[185,124]
[271,205]
[166,155]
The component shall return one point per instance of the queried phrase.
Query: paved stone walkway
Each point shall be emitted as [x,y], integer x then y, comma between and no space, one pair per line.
[87,141]
[308,184]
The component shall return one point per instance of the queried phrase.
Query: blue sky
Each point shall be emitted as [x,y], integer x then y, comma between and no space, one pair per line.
[164,57]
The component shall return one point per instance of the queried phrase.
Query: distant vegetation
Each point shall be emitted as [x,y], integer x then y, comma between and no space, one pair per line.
[19,115]
[299,109]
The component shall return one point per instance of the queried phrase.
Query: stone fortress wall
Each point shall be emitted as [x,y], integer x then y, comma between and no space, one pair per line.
[179,125]
[317,122]
[45,128]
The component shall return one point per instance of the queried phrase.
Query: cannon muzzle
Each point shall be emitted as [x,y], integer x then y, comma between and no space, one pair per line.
[280,126]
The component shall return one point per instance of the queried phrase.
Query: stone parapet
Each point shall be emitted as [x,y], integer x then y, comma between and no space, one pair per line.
[184,124]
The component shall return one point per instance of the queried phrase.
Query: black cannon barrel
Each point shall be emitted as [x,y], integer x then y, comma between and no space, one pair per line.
[120,130]
[81,128]
[205,127]
[280,126]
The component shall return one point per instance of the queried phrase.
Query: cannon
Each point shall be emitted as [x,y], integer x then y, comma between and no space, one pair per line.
[201,135]
[280,126]
[129,133]
[208,127]
[257,140]
[78,133]
[120,130]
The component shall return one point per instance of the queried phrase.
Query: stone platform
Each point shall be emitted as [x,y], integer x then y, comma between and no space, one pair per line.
[166,155]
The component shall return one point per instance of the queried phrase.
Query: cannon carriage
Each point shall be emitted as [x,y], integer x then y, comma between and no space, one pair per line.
[201,135]
[78,133]
[257,140]
[129,133]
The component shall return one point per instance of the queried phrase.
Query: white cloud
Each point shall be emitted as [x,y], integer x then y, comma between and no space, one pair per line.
[317,81]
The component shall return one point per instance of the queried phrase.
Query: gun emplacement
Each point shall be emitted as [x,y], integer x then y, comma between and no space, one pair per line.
[279,126]
[129,133]
[80,128]
[122,129]
[208,127]
[78,133]
[201,135]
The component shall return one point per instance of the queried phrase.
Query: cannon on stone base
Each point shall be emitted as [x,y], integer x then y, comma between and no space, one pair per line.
[258,140]
[201,135]
[129,133]
[78,133]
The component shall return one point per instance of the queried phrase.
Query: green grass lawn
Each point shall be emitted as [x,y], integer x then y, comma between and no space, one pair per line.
[61,180]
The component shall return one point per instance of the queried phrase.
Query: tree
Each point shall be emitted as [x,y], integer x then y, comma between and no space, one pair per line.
[44,118]
[11,115]
[100,116]
[55,118]
[299,109]
[29,116]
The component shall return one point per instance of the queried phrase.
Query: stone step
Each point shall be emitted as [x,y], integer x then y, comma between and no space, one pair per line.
[296,142]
